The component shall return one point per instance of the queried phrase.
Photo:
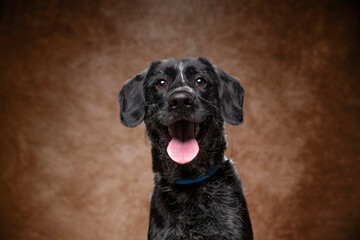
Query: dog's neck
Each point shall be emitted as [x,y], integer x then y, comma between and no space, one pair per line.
[200,179]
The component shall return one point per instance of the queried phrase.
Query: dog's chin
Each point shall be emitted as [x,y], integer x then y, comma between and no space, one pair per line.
[183,138]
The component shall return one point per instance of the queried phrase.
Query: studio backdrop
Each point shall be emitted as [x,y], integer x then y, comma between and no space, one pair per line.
[70,170]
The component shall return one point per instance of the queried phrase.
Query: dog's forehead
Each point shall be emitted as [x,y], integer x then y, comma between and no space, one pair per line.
[194,64]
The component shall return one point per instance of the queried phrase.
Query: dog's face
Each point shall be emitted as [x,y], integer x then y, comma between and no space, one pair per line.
[184,104]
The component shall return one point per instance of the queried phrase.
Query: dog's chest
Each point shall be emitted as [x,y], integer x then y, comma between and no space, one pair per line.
[210,213]
[205,212]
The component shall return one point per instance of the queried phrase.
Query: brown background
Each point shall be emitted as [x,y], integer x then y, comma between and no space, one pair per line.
[70,170]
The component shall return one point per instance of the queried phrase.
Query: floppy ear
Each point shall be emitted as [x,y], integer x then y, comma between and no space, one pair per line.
[131,99]
[231,96]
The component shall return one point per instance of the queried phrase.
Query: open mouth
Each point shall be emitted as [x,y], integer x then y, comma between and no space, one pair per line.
[184,138]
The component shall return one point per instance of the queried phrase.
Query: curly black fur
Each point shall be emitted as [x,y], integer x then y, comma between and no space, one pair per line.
[211,209]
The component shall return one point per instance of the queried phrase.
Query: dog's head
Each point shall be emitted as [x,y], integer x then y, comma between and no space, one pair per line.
[184,104]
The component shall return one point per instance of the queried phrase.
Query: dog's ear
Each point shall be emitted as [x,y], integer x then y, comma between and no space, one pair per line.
[231,96]
[131,99]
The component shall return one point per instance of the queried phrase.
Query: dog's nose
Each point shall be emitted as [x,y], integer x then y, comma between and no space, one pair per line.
[181,100]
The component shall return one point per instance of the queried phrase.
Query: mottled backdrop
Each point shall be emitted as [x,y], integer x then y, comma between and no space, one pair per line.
[70,170]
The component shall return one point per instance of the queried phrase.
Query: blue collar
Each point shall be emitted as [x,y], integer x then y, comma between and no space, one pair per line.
[190,181]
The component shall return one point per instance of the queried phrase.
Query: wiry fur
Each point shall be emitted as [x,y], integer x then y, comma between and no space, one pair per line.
[214,208]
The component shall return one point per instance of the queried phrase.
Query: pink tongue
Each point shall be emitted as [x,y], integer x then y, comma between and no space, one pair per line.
[183,146]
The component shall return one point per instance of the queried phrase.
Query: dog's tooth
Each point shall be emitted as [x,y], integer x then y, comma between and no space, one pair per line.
[196,129]
[170,130]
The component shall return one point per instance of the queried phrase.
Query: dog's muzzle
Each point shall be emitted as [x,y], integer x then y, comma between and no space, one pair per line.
[183,146]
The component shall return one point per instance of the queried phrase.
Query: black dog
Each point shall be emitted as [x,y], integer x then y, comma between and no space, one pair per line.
[184,104]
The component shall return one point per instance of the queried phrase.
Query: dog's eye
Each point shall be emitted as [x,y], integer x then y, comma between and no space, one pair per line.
[161,83]
[200,82]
